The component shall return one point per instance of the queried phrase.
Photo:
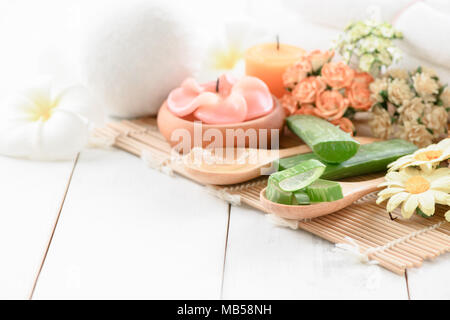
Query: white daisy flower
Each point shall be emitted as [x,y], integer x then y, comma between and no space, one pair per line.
[416,189]
[426,158]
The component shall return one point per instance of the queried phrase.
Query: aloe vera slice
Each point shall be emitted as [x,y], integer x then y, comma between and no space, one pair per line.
[299,176]
[318,191]
[327,141]
[282,184]
[301,197]
[275,194]
[370,158]
[324,191]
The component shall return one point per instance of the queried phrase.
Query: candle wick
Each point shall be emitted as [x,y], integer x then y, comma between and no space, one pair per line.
[278,42]
[217,85]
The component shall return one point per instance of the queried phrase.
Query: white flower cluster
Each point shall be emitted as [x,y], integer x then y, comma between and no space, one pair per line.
[370,43]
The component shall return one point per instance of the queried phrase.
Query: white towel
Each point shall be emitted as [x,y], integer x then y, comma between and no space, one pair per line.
[337,14]
[426,26]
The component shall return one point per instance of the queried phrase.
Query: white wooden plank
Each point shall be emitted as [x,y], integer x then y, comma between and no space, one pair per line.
[127,231]
[268,262]
[432,280]
[31,196]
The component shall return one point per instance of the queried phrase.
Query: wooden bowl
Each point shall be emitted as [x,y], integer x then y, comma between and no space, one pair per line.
[180,133]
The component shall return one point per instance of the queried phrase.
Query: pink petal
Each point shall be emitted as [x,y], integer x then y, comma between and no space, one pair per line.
[226,83]
[191,85]
[181,100]
[256,94]
[233,109]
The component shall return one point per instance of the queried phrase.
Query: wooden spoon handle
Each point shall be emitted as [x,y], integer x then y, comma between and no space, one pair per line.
[359,189]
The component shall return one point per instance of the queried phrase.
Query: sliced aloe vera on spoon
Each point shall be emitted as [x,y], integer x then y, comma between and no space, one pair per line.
[299,176]
[275,194]
[282,184]
[301,197]
[318,191]
[300,185]
[324,191]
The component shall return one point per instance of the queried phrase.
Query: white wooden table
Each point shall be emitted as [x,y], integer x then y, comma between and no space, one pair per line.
[105,226]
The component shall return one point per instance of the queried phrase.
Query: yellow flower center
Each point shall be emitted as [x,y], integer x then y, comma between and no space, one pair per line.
[428,155]
[42,109]
[417,184]
[226,60]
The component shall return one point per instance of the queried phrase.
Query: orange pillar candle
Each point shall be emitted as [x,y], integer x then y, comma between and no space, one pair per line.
[269,61]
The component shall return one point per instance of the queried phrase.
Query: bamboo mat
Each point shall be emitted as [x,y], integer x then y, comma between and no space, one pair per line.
[363,228]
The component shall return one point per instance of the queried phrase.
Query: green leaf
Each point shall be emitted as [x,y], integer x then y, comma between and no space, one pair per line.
[350,112]
[318,72]
[384,94]
[422,214]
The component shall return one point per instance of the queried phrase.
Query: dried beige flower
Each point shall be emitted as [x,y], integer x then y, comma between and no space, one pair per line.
[380,123]
[398,74]
[445,97]
[416,133]
[411,110]
[399,91]
[426,87]
[430,72]
[435,118]
[380,84]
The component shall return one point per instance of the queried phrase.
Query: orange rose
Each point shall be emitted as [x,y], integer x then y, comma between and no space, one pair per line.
[359,96]
[296,73]
[331,105]
[363,77]
[337,75]
[345,125]
[308,89]
[319,58]
[289,104]
[306,109]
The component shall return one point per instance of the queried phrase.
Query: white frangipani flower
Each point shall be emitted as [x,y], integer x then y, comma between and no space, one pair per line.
[42,122]
[226,53]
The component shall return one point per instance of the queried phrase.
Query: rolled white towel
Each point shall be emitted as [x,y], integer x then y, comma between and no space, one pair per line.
[426,26]
[337,14]
[135,52]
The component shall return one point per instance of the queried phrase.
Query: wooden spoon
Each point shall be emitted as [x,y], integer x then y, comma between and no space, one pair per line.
[352,192]
[220,173]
